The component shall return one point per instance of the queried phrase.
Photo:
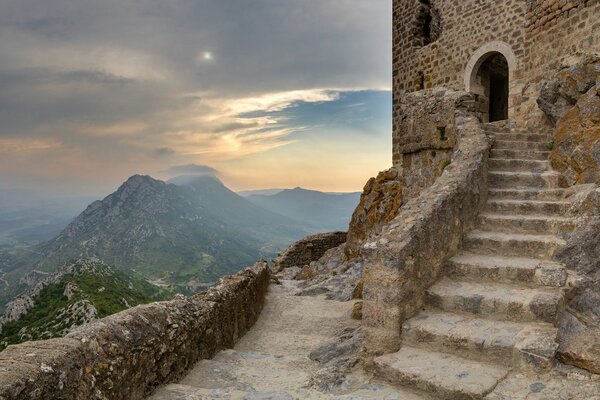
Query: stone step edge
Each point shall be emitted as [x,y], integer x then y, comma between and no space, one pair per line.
[409,376]
[525,351]
[530,272]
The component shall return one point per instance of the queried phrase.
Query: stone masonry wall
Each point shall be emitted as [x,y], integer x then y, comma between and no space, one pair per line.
[465,26]
[544,13]
[309,249]
[426,135]
[127,355]
[541,34]
[408,255]
[560,43]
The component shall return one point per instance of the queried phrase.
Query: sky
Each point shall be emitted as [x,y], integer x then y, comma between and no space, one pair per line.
[265,93]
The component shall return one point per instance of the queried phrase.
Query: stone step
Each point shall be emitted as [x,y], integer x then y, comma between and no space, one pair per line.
[527,224]
[515,165]
[495,128]
[526,207]
[502,342]
[520,136]
[515,180]
[525,271]
[520,154]
[527,194]
[446,376]
[519,145]
[502,302]
[512,244]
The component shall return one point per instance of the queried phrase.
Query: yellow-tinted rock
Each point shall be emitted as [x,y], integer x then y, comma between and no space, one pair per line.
[357,310]
[379,204]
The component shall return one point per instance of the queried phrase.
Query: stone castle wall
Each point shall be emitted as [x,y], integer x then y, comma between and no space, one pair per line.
[535,35]
[129,354]
[560,42]
[427,135]
[309,249]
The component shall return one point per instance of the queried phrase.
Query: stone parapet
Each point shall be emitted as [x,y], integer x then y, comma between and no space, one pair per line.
[407,256]
[127,355]
[307,250]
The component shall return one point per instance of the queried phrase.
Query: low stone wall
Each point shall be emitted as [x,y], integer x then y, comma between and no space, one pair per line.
[407,257]
[127,355]
[309,249]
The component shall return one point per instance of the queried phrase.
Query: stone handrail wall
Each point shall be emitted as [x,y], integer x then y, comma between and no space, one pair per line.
[309,249]
[129,354]
[407,257]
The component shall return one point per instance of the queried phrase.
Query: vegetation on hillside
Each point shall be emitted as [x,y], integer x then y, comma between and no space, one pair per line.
[88,291]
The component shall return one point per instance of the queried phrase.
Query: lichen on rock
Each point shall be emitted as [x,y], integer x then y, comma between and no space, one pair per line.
[571,101]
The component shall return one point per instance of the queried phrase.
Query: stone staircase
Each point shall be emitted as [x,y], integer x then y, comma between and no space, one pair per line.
[496,308]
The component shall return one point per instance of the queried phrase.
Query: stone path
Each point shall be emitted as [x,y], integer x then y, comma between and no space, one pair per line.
[488,330]
[496,309]
[271,361]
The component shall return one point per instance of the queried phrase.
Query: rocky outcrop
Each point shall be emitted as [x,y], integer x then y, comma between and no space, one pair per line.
[307,250]
[580,329]
[560,93]
[379,204]
[127,355]
[571,101]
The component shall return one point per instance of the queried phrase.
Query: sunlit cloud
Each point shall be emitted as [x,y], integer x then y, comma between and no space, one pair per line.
[8,145]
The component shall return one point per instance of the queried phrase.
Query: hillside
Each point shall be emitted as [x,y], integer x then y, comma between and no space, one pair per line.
[80,293]
[318,211]
[192,228]
[187,232]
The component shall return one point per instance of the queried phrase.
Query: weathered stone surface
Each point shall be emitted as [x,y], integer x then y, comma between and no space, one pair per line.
[379,204]
[407,257]
[357,310]
[571,101]
[127,355]
[559,94]
[309,249]
[579,331]
[576,151]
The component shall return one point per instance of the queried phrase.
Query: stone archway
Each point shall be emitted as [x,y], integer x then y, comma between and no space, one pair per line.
[488,74]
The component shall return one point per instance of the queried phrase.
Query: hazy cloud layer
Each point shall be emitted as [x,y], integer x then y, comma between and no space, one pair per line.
[96,90]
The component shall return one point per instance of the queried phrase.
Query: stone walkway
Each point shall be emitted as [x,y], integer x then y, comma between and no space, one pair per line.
[488,331]
[272,360]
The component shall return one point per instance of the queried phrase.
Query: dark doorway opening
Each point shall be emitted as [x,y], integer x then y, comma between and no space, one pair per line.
[493,82]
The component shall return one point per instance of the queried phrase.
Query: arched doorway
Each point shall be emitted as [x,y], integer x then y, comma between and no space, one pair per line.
[491,81]
[488,75]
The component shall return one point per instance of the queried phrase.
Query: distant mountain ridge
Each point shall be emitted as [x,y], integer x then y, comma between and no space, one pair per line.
[187,232]
[193,228]
[318,211]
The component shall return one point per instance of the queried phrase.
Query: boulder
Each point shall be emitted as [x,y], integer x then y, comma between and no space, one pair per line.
[559,94]
[379,204]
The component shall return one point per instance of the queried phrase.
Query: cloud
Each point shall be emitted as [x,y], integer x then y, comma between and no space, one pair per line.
[191,169]
[133,86]
[164,151]
[14,145]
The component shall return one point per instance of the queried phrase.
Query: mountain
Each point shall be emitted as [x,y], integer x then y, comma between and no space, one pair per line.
[267,192]
[81,292]
[192,228]
[317,211]
[186,232]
